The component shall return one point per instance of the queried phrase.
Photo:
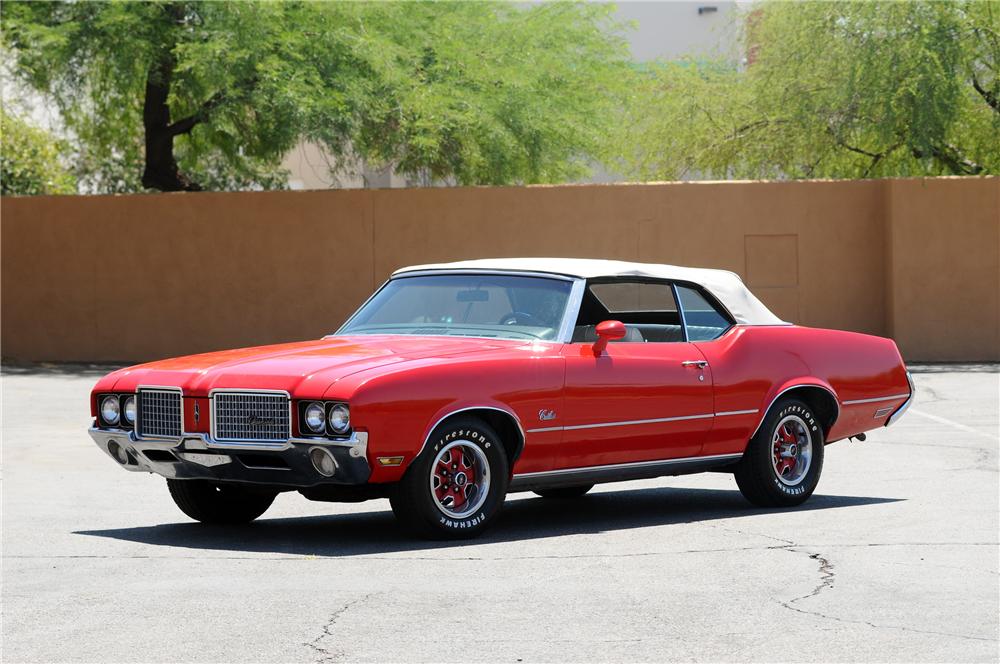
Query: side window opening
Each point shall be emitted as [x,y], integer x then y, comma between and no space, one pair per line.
[647,308]
[703,319]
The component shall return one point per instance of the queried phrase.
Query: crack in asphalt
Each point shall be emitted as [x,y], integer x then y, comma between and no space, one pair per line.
[827,576]
[325,654]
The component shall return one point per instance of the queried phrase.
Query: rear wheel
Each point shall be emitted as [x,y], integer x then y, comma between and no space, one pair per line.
[783,462]
[457,485]
[209,502]
[565,492]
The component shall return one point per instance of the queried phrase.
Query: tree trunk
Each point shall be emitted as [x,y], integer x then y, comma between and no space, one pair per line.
[161,171]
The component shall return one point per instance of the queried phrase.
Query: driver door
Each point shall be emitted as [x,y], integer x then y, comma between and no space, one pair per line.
[648,396]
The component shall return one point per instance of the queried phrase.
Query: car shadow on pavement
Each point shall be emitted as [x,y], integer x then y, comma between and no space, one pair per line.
[375,532]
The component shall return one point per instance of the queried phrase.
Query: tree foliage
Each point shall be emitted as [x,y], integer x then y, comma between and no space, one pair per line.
[171,95]
[831,89]
[29,161]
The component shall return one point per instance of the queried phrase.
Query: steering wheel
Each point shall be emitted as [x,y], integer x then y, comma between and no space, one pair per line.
[521,318]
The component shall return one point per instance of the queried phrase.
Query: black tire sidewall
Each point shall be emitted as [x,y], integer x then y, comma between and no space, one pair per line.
[209,502]
[764,461]
[416,501]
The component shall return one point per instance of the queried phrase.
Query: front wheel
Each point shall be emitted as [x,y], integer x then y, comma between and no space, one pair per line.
[209,502]
[783,461]
[457,485]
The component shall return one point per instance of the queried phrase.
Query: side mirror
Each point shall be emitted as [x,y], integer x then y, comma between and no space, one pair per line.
[607,331]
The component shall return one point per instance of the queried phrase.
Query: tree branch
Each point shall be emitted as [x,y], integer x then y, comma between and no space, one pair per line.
[185,125]
[990,98]
[954,161]
[847,146]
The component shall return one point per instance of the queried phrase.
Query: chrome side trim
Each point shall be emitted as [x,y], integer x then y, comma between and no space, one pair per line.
[906,404]
[853,402]
[542,429]
[665,463]
[517,420]
[631,422]
[727,413]
[789,389]
[624,423]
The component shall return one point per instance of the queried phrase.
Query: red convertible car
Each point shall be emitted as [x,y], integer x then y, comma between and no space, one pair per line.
[456,384]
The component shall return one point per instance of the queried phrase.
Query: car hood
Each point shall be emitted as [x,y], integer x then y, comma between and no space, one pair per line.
[305,368]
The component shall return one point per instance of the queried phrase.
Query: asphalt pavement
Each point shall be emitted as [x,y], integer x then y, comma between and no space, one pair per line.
[895,558]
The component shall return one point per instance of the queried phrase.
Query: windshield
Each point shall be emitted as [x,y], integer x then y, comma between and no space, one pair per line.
[469,305]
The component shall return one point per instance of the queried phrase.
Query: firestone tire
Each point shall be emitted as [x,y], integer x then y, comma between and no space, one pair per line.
[783,461]
[457,485]
[219,503]
[565,493]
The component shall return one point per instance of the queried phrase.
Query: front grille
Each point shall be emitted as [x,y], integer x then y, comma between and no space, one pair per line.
[160,413]
[251,416]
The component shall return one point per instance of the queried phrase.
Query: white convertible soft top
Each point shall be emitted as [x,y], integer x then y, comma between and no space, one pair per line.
[726,286]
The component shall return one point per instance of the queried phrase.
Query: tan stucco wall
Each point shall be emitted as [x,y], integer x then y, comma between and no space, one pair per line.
[915,259]
[944,280]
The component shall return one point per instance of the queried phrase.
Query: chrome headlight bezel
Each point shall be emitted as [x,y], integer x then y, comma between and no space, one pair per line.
[338,418]
[335,422]
[109,409]
[318,411]
[127,403]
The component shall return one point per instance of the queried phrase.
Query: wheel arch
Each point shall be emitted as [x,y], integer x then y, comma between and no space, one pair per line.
[503,421]
[818,396]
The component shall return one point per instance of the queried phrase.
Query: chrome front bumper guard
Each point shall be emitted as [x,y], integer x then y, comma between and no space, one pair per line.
[198,455]
[906,404]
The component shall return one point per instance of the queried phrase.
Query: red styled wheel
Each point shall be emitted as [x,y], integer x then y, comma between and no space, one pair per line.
[791,450]
[460,478]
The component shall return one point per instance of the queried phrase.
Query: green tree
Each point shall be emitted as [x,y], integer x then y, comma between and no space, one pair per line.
[29,161]
[174,95]
[831,89]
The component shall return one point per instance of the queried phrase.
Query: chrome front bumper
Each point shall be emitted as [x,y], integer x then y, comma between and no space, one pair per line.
[198,456]
[906,404]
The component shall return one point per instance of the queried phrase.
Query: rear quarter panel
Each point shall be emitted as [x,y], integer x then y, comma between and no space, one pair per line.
[751,365]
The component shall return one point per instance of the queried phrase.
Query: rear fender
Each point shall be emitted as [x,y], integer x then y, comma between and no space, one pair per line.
[811,390]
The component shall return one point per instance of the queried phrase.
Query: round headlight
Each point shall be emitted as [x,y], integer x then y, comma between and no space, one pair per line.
[109,409]
[340,418]
[128,409]
[315,417]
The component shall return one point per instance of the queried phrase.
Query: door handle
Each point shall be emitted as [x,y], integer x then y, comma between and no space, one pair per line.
[701,364]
